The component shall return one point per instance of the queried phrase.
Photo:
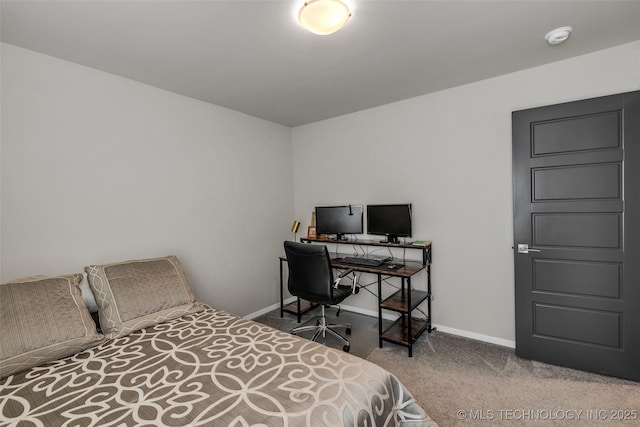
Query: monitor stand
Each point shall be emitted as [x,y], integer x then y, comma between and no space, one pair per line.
[390,239]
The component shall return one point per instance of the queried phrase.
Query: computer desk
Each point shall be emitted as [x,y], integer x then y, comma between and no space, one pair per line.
[406,329]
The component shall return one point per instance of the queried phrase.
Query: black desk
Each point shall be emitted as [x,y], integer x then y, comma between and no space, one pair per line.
[406,329]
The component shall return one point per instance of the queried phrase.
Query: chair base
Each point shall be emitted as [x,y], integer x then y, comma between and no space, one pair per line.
[322,328]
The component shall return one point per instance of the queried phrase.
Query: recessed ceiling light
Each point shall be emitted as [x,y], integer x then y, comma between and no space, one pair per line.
[558,35]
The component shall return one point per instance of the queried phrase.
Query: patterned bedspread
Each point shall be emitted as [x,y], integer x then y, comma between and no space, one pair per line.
[208,369]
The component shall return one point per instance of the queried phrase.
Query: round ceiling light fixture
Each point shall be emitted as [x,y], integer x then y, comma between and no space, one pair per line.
[558,35]
[324,17]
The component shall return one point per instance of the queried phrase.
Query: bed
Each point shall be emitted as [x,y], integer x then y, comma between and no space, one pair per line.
[163,359]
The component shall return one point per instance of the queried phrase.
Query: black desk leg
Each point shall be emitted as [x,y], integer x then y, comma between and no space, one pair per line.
[380,310]
[281,292]
[409,316]
[429,317]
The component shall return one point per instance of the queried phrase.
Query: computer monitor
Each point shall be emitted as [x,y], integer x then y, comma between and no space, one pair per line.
[392,221]
[340,220]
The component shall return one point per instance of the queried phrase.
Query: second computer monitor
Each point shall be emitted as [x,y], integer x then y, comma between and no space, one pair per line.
[392,221]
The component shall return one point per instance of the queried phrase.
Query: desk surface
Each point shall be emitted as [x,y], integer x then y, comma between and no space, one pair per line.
[407,270]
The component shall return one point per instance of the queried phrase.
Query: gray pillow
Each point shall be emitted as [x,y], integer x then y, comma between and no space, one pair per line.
[43,319]
[135,294]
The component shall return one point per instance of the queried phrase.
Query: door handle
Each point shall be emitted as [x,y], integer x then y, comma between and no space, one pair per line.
[523,248]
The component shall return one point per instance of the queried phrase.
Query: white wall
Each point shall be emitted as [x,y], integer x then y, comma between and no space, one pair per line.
[449,153]
[97,168]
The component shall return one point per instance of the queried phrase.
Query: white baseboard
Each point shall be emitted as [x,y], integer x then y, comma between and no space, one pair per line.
[445,329]
[476,336]
[366,312]
[391,316]
[265,310]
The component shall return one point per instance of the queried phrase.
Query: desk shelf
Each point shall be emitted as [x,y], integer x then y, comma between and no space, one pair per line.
[304,307]
[400,303]
[398,332]
[425,248]
[406,329]
[367,243]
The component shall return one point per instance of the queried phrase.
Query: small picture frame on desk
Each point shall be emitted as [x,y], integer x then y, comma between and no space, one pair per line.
[311,232]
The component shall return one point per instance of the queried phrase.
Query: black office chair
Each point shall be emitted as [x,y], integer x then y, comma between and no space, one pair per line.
[311,278]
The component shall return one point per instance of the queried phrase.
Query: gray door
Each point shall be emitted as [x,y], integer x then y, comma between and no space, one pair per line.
[576,177]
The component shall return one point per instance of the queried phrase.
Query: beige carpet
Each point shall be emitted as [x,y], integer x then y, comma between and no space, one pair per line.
[462,382]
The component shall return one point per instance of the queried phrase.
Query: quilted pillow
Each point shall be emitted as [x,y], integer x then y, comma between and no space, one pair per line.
[43,319]
[135,294]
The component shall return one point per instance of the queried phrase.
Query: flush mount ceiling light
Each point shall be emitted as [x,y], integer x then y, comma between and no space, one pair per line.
[324,17]
[558,35]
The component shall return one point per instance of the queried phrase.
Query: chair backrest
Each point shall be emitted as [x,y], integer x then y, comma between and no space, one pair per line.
[310,272]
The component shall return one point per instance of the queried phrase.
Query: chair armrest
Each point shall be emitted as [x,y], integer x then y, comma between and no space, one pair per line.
[354,286]
[344,273]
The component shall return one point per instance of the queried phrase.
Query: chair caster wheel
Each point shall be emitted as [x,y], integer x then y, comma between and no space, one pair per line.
[346,348]
[348,331]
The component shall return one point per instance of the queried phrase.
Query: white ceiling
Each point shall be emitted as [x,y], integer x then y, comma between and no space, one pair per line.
[253,57]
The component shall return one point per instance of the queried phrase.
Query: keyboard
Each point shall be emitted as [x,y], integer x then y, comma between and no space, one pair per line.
[367,262]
